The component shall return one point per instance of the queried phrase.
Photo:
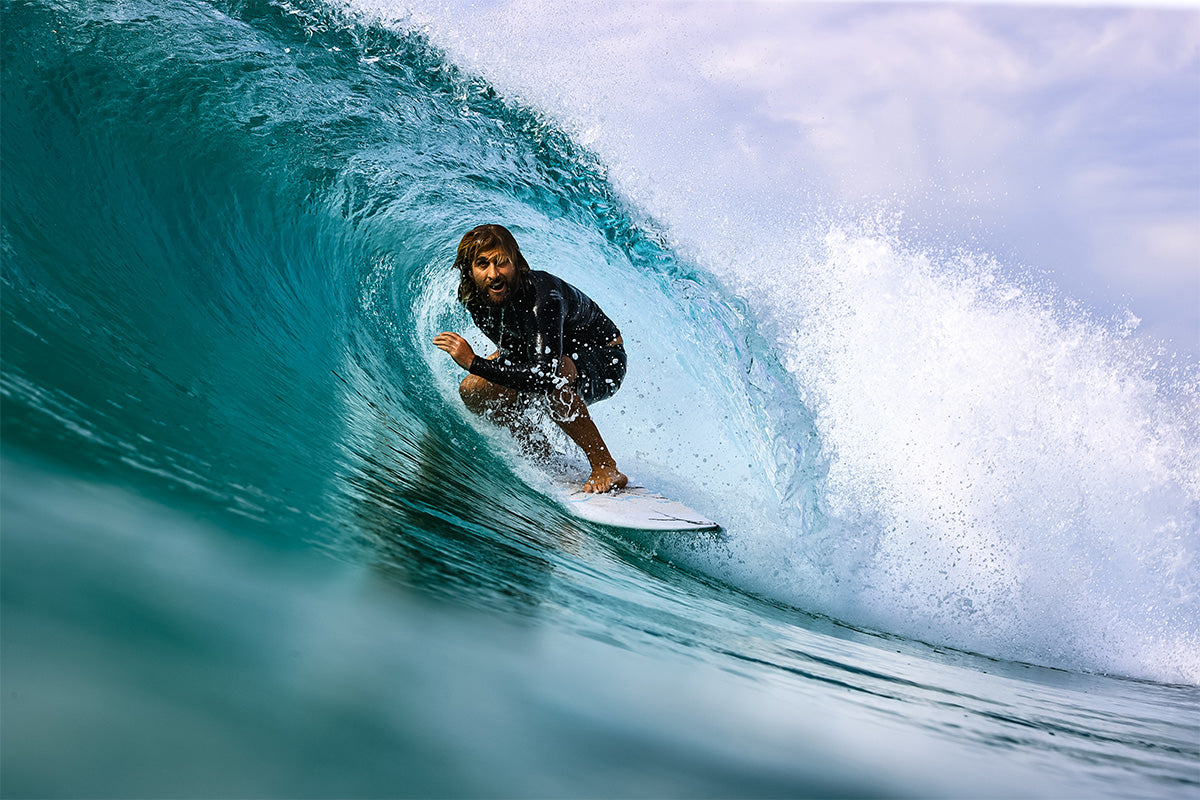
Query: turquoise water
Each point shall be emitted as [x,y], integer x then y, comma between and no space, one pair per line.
[253,546]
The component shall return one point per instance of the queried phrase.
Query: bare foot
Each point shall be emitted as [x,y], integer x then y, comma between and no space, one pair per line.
[605,479]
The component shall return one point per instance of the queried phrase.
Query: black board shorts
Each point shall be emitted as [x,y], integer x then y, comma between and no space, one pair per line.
[600,372]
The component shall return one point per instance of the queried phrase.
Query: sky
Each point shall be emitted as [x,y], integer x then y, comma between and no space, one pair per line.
[1064,141]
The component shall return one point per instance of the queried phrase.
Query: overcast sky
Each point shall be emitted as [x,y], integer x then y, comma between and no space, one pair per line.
[1064,140]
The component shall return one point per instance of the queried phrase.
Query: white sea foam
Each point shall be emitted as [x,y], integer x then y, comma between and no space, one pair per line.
[1004,474]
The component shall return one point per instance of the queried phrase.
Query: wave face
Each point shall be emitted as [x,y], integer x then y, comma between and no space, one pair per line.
[227,234]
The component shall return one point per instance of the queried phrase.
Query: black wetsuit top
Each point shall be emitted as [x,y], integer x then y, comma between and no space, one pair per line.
[546,319]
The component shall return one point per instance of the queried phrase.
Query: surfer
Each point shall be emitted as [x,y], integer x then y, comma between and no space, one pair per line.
[552,340]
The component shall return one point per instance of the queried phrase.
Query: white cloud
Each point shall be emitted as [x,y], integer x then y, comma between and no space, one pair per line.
[1038,130]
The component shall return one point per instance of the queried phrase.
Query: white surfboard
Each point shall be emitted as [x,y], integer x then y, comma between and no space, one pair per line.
[634,508]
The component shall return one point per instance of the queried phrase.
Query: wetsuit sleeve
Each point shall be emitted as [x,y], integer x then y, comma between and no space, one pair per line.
[546,345]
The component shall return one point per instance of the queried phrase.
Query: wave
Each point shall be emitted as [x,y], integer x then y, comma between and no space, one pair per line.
[227,232]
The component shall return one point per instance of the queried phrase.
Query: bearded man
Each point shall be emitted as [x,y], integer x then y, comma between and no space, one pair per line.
[553,342]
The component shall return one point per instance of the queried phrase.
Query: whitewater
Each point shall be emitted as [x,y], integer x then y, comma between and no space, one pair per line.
[254,545]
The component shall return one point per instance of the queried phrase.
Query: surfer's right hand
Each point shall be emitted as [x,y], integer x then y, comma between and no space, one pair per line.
[458,348]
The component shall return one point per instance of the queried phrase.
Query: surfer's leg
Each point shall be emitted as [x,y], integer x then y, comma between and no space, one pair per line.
[506,407]
[570,412]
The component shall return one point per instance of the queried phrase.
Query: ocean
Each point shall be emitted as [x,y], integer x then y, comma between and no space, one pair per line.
[254,546]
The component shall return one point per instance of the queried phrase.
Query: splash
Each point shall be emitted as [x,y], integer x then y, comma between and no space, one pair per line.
[1005,474]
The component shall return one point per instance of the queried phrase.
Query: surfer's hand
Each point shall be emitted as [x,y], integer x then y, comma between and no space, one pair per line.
[457,347]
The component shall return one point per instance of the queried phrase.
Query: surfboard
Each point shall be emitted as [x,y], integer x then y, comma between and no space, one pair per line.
[633,508]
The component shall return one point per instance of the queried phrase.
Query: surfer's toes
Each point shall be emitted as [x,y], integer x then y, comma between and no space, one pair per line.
[605,482]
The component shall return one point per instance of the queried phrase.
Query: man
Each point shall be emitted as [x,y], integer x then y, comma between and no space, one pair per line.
[553,341]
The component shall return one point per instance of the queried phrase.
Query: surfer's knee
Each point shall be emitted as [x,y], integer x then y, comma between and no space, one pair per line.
[568,370]
[477,394]
[565,405]
[483,397]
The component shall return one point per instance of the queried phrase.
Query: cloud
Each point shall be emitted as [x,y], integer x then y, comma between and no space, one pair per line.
[1067,139]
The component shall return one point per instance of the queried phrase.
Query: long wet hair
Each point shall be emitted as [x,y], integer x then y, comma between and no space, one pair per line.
[479,240]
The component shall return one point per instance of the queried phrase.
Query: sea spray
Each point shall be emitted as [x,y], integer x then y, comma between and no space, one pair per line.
[1011,477]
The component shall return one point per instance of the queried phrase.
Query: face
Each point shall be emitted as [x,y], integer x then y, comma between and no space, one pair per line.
[495,275]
